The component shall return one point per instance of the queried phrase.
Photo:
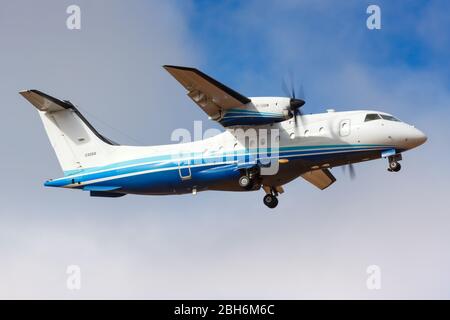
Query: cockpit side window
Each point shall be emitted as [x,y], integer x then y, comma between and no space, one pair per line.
[389,118]
[372,116]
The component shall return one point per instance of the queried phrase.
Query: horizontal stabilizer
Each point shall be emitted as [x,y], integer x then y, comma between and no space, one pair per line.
[45,103]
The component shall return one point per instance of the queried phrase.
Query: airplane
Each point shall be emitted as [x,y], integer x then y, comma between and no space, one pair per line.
[301,145]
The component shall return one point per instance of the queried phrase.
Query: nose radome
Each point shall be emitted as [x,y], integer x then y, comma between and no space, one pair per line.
[417,138]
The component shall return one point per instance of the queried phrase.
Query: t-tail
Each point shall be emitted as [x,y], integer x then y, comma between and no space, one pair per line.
[77,144]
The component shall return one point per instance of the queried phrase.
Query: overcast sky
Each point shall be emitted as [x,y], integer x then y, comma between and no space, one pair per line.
[316,244]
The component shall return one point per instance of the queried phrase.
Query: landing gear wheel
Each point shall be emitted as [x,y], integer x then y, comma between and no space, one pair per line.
[394,166]
[244,181]
[270,200]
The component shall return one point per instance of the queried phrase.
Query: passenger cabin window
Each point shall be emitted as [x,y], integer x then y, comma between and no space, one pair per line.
[389,118]
[372,116]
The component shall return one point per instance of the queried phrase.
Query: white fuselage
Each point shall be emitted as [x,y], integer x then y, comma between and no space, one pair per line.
[308,143]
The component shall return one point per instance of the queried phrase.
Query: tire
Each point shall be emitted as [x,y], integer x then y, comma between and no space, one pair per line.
[398,168]
[244,181]
[394,166]
[270,201]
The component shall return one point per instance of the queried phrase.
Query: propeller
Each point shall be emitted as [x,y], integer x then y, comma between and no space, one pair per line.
[351,170]
[295,103]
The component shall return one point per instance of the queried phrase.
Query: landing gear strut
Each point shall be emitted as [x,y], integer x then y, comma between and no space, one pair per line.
[394,166]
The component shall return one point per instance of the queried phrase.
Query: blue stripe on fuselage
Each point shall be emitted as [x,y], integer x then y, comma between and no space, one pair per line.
[166,163]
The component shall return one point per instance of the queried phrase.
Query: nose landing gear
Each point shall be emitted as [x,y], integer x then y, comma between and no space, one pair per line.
[394,166]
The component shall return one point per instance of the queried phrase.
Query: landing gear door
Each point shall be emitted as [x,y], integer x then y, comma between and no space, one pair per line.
[344,128]
[184,169]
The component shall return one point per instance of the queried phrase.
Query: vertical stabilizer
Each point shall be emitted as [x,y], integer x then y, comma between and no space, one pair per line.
[76,143]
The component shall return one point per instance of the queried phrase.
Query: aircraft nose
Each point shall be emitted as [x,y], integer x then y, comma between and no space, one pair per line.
[416,138]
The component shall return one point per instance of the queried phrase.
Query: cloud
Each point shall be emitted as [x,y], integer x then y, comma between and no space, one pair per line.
[317,244]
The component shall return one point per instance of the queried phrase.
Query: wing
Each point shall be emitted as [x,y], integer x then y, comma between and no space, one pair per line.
[212,96]
[320,178]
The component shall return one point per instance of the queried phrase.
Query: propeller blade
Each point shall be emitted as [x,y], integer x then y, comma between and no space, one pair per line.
[294,104]
[301,92]
[352,171]
[295,121]
[291,83]
[285,88]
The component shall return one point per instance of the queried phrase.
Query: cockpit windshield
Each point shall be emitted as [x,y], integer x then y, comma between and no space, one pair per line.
[389,118]
[372,116]
[376,116]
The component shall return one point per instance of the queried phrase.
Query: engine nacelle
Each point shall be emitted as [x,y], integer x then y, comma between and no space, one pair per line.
[261,110]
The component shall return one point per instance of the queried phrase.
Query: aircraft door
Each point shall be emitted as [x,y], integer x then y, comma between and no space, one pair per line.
[344,128]
[184,169]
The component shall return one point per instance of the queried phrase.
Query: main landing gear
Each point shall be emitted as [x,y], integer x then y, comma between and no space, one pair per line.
[394,165]
[270,200]
[245,181]
[250,179]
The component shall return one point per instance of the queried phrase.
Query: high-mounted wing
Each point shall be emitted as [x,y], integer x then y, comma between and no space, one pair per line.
[320,178]
[212,96]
